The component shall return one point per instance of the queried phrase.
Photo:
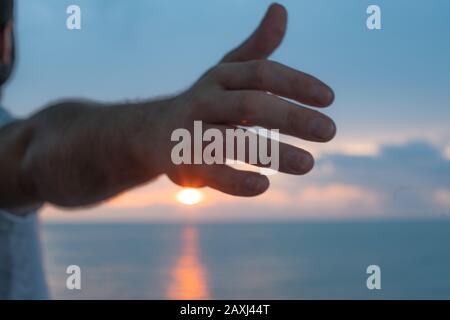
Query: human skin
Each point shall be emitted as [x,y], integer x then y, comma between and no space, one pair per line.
[80,153]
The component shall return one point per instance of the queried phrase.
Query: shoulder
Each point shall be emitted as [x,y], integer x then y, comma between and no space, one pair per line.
[5,117]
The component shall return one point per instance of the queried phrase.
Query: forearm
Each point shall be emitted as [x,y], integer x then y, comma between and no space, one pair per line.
[78,153]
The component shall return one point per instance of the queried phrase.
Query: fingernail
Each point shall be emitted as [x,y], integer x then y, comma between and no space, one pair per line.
[255,183]
[299,162]
[322,129]
[322,95]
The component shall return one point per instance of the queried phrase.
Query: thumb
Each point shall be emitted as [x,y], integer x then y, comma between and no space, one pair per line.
[266,38]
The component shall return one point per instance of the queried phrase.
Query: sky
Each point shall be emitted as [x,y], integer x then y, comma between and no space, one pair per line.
[390,159]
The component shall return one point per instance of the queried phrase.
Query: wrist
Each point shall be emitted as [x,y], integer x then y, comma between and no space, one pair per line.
[150,142]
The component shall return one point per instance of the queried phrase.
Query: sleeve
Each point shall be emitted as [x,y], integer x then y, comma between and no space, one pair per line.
[21,268]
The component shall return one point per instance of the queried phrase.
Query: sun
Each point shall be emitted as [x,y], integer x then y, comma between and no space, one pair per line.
[189,196]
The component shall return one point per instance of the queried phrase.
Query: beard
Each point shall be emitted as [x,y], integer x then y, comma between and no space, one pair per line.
[6,70]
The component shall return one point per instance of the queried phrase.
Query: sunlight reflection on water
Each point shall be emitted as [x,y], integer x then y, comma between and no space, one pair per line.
[188,275]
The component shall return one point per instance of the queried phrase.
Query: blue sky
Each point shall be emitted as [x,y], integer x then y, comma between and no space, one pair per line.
[392,85]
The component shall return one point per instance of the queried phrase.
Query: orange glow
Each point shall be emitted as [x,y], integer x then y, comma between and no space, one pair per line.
[190,196]
[442,197]
[336,196]
[447,153]
[189,281]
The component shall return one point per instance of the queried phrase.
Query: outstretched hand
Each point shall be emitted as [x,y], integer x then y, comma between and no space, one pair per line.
[78,153]
[246,89]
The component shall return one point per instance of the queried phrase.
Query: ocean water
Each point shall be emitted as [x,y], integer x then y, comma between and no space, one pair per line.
[250,261]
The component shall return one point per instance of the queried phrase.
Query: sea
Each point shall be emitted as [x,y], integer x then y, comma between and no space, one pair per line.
[298,260]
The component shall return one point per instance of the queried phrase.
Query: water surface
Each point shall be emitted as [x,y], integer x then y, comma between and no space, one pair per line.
[250,261]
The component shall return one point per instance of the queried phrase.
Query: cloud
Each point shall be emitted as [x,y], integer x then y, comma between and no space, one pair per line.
[407,176]
[442,197]
[338,197]
[447,153]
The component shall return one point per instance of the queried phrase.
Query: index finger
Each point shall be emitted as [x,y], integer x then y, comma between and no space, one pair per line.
[256,108]
[276,78]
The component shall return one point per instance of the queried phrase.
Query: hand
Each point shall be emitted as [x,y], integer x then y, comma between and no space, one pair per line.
[78,153]
[235,92]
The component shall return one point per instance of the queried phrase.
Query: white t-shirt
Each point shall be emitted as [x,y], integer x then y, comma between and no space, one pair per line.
[21,268]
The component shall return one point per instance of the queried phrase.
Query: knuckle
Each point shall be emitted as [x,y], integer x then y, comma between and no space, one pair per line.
[246,106]
[259,71]
[273,36]
[216,72]
[276,34]
[302,88]
[292,120]
[309,87]
[199,104]
[229,56]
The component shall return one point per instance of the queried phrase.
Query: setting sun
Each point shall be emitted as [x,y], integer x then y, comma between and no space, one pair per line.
[189,196]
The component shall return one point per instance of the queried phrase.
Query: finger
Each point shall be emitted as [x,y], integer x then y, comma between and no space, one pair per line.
[222,178]
[275,78]
[266,38]
[255,108]
[235,182]
[245,146]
